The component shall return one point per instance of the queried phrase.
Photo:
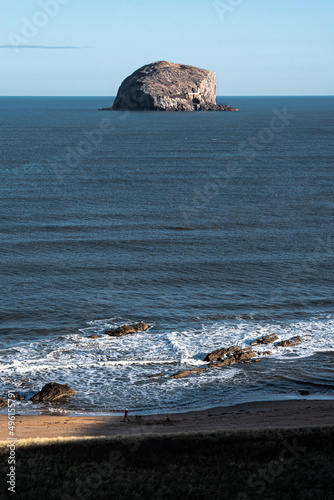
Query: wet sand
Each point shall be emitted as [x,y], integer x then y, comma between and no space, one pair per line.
[257,415]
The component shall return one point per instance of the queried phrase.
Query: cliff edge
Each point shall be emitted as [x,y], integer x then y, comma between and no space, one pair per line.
[165,86]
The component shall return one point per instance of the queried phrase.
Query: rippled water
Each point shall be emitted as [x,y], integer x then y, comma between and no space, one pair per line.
[215,228]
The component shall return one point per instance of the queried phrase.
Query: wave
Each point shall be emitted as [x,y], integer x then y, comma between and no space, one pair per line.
[122,366]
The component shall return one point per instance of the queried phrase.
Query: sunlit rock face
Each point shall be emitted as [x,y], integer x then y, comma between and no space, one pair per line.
[165,86]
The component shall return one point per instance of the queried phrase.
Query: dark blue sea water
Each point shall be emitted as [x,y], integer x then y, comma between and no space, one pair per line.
[215,228]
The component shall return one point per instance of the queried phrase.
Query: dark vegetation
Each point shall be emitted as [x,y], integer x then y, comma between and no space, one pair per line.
[280,464]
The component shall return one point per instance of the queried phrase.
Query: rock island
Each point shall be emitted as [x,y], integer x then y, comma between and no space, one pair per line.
[165,86]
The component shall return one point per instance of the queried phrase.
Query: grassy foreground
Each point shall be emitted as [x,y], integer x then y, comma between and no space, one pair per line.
[269,464]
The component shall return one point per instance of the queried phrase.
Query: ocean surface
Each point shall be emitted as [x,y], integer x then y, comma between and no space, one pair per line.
[215,228]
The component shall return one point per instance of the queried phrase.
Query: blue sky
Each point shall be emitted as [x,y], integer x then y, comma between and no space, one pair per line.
[81,47]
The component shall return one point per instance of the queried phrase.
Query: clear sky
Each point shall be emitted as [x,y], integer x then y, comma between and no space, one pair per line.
[86,47]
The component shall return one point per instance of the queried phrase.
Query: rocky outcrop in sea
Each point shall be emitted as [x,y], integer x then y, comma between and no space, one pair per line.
[227,356]
[127,329]
[52,392]
[166,86]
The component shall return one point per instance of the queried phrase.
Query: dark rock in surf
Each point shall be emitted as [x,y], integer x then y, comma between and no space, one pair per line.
[267,339]
[291,342]
[244,355]
[222,358]
[219,354]
[120,331]
[52,392]
[127,329]
[220,364]
[141,326]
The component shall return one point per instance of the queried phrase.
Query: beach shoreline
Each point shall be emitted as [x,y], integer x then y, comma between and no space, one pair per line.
[250,415]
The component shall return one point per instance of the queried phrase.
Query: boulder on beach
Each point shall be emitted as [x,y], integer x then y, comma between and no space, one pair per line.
[291,342]
[127,329]
[52,392]
[267,339]
[166,86]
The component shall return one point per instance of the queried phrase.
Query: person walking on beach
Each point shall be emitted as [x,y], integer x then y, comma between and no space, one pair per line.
[126,415]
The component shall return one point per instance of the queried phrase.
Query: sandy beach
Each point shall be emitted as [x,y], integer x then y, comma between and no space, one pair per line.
[257,415]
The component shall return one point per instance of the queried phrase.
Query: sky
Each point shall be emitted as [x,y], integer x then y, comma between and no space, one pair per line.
[87,48]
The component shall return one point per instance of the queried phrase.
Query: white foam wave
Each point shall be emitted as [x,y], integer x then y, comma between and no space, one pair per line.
[122,366]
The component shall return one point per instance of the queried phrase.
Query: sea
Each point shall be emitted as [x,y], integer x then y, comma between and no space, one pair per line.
[215,228]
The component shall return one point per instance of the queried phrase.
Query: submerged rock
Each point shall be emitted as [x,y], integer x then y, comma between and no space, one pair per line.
[52,392]
[267,339]
[127,329]
[186,373]
[165,86]
[291,342]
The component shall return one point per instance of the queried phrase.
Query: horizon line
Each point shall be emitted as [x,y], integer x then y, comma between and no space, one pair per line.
[218,96]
